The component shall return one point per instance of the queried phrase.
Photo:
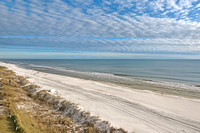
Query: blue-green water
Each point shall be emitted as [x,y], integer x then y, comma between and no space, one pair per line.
[187,71]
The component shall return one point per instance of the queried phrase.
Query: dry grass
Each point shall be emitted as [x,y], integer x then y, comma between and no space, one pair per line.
[29,114]
[33,112]
[11,94]
[6,125]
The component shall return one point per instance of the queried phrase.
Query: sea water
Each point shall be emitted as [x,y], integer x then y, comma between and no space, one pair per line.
[173,72]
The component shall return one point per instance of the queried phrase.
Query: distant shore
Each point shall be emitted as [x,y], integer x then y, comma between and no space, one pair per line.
[127,108]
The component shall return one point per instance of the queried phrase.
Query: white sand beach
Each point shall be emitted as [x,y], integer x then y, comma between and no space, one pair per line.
[131,109]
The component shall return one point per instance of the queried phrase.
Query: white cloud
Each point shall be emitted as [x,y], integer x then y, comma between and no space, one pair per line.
[76,28]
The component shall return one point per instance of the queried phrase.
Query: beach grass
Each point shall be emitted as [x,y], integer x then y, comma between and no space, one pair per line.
[11,95]
[6,125]
[25,112]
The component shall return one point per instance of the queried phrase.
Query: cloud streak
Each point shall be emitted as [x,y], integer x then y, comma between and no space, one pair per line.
[106,26]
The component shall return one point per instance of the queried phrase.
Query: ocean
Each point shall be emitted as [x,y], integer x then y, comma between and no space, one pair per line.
[130,72]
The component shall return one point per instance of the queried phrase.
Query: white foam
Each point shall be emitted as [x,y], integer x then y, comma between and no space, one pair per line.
[187,86]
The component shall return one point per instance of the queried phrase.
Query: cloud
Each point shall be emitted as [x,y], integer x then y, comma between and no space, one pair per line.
[110,26]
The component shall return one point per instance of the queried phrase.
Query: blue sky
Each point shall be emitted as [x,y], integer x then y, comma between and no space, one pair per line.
[100,29]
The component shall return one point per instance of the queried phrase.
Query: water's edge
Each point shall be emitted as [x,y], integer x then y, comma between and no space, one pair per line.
[185,89]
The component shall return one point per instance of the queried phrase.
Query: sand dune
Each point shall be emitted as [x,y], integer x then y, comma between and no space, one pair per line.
[131,109]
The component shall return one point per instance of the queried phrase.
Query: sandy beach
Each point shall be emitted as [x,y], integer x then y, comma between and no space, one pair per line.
[131,109]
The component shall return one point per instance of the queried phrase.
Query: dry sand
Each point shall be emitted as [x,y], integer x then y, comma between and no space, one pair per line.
[134,110]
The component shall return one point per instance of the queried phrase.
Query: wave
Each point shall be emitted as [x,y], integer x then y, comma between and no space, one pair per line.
[187,86]
[126,75]
[117,78]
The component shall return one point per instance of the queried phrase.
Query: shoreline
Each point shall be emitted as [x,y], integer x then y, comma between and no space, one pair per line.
[177,88]
[132,110]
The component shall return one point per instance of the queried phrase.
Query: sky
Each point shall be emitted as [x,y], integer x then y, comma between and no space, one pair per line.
[108,29]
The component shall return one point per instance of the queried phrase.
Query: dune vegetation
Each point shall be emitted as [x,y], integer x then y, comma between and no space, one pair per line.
[23,108]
